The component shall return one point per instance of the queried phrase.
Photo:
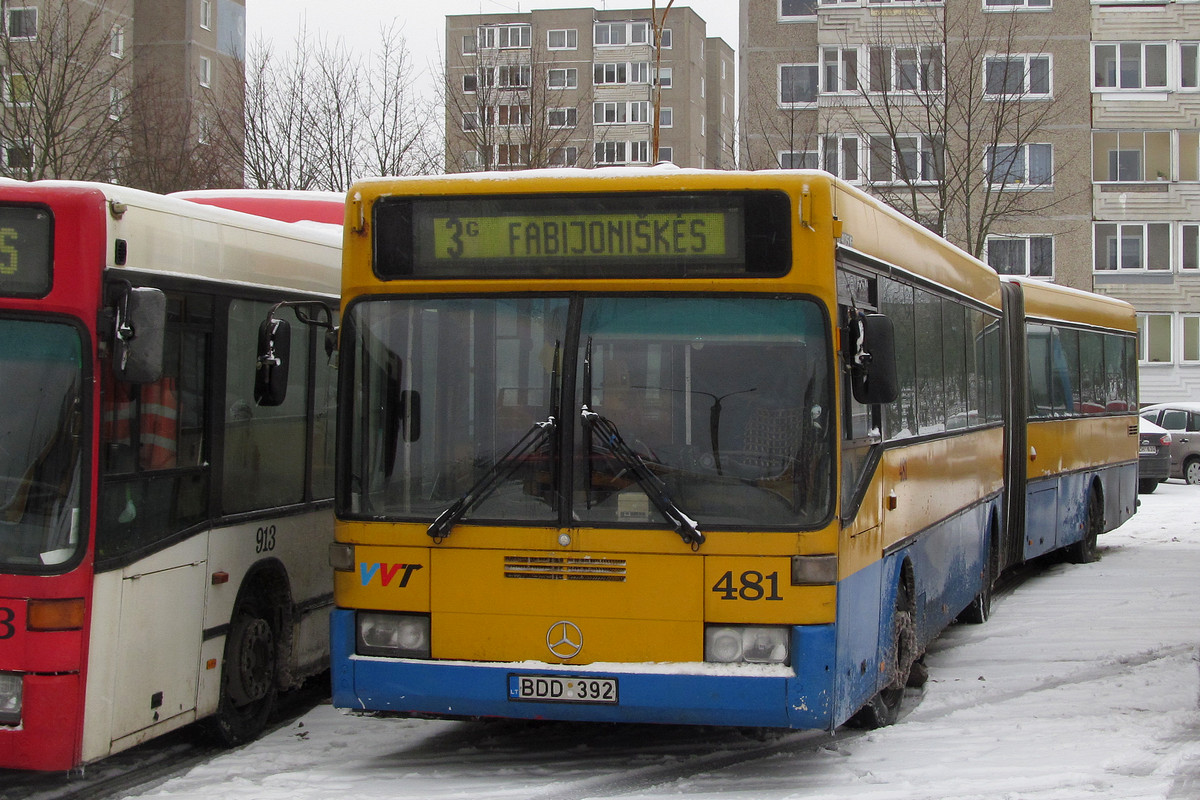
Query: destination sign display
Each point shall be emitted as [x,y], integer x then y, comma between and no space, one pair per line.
[25,245]
[633,234]
[662,235]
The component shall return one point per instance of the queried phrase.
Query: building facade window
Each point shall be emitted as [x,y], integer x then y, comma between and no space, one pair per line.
[17,157]
[610,152]
[17,90]
[1129,65]
[1015,166]
[564,156]
[468,46]
[839,69]
[1017,75]
[1132,156]
[1155,345]
[1011,5]
[664,40]
[1189,65]
[610,74]
[609,113]
[793,10]
[116,47]
[840,156]
[21,23]
[205,71]
[206,14]
[512,155]
[666,154]
[666,117]
[562,117]
[562,78]
[505,37]
[620,34]
[907,159]
[665,78]
[1189,339]
[1027,256]
[1189,247]
[905,69]
[1132,246]
[798,84]
[799,159]
[562,39]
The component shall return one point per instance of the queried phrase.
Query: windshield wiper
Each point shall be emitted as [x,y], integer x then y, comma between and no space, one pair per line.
[496,474]
[650,483]
[507,464]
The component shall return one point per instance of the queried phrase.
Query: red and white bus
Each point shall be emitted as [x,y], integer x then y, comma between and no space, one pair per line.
[162,536]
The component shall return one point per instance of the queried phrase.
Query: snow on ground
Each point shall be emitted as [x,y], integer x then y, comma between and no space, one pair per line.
[1084,684]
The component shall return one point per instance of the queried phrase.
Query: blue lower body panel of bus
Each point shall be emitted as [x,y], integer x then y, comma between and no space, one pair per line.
[802,698]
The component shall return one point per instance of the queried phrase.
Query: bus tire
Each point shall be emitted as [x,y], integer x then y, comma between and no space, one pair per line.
[249,682]
[884,707]
[1085,550]
[980,608]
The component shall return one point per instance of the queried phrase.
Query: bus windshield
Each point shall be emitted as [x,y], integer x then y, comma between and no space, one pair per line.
[718,408]
[40,439]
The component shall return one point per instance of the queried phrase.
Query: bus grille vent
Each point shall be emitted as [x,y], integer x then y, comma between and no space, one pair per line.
[548,568]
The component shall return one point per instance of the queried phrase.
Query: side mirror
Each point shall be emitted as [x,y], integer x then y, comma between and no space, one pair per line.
[141,323]
[274,357]
[873,359]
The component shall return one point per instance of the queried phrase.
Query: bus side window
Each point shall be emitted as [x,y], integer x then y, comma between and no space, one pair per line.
[266,447]
[154,476]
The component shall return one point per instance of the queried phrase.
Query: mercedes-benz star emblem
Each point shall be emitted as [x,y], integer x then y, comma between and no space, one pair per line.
[564,639]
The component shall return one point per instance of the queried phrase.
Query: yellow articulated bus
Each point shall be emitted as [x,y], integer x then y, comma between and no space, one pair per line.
[694,447]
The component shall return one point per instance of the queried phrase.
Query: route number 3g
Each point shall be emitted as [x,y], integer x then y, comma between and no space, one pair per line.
[750,585]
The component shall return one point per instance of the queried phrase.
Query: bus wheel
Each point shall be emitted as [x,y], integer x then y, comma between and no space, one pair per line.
[980,608]
[884,708]
[1085,551]
[248,680]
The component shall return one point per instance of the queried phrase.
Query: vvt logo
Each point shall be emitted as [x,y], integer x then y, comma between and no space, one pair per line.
[387,573]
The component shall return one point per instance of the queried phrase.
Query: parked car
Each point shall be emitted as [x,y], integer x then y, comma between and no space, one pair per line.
[1154,455]
[1183,421]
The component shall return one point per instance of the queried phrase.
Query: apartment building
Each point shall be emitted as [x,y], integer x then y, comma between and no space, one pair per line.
[128,89]
[1055,139]
[1145,86]
[189,62]
[583,87]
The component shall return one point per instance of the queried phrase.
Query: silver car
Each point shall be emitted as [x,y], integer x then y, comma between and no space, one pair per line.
[1183,421]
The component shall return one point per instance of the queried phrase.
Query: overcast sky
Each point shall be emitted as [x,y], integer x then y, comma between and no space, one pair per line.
[358,21]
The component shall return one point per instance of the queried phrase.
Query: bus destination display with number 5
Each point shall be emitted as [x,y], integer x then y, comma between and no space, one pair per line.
[24,251]
[578,235]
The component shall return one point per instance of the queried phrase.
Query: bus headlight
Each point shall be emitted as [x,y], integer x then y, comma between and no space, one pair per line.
[393,635]
[10,699]
[341,556]
[728,644]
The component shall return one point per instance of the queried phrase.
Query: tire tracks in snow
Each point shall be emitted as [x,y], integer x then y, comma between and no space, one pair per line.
[800,743]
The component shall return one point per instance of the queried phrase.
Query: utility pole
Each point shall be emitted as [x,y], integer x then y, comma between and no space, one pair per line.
[657,25]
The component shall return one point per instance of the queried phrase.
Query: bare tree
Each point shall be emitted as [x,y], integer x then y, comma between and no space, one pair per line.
[321,117]
[63,90]
[776,132]
[957,120]
[517,109]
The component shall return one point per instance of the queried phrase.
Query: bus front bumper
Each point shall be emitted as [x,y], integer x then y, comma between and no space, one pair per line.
[796,697]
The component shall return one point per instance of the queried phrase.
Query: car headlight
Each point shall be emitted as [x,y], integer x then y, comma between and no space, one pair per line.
[393,635]
[10,698]
[756,644]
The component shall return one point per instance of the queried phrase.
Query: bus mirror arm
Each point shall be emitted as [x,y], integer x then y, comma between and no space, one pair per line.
[275,343]
[139,326]
[872,359]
